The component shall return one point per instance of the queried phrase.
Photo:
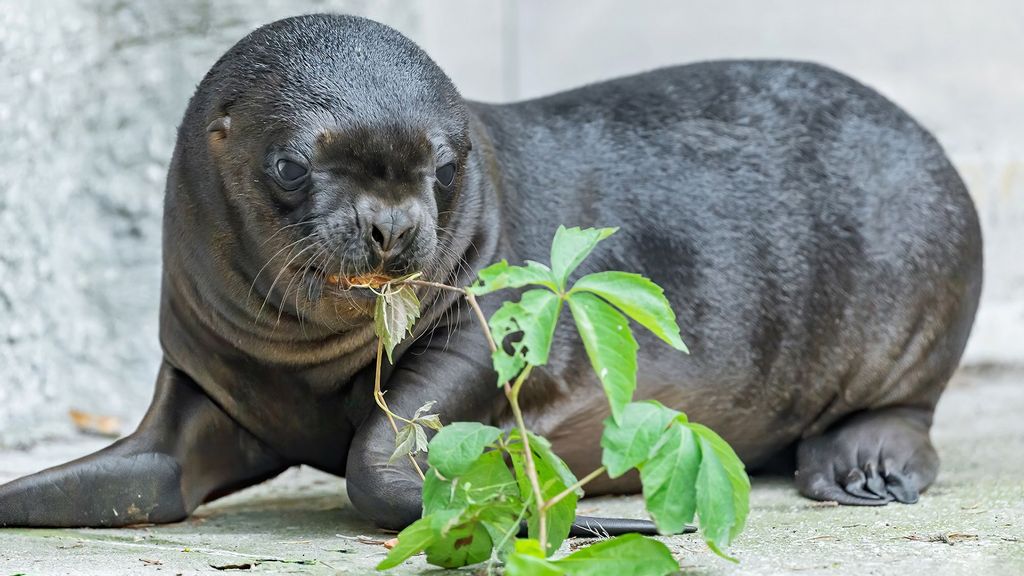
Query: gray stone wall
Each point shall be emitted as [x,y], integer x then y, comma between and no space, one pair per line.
[91,96]
[958,67]
[91,92]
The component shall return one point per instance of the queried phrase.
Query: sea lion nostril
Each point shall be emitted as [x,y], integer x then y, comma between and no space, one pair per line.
[390,230]
[378,236]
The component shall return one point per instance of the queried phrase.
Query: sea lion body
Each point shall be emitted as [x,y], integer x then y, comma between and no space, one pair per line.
[820,251]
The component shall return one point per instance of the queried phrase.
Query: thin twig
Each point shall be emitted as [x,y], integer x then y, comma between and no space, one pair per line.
[429,284]
[561,495]
[471,298]
[379,397]
[416,465]
[511,392]
[531,468]
[513,529]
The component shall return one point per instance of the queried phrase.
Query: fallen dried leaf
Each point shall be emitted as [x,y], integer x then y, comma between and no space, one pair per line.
[95,424]
[149,562]
[389,544]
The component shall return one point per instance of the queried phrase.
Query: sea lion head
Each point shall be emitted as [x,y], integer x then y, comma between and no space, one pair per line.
[320,149]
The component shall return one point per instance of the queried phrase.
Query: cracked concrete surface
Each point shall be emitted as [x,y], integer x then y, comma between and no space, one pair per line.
[971,522]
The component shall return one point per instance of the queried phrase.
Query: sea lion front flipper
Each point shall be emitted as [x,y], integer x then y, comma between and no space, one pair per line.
[452,366]
[185,451]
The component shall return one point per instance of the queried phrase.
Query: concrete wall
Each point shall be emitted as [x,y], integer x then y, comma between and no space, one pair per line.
[93,91]
[91,96]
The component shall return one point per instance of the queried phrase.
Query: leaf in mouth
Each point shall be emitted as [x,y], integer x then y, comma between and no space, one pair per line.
[396,311]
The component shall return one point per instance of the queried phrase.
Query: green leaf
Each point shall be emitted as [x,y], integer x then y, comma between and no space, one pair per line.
[570,247]
[528,560]
[521,565]
[669,476]
[530,547]
[628,555]
[465,544]
[535,315]
[560,516]
[735,471]
[411,439]
[542,448]
[610,345]
[411,541]
[684,467]
[421,417]
[432,421]
[500,275]
[488,481]
[394,315]
[472,512]
[458,445]
[628,443]
[638,298]
[715,505]
[502,522]
[423,409]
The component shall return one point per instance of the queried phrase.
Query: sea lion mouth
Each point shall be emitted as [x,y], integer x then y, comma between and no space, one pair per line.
[371,280]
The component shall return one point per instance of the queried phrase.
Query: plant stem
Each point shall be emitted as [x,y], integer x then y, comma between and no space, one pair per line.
[471,298]
[378,396]
[558,497]
[429,284]
[511,392]
[531,468]
[510,533]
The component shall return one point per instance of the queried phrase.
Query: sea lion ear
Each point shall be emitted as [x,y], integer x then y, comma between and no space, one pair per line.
[217,132]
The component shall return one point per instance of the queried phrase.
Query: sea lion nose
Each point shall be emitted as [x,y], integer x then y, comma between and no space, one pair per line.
[390,231]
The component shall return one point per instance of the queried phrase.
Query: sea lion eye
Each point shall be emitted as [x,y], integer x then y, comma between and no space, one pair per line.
[446,175]
[290,174]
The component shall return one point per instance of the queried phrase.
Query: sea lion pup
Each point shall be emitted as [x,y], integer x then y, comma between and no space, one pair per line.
[821,252]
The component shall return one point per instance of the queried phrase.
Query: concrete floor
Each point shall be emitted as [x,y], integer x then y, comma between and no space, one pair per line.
[970,522]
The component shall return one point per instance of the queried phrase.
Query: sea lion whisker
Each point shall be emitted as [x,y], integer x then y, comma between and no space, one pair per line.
[303,271]
[288,287]
[270,260]
[304,220]
[274,283]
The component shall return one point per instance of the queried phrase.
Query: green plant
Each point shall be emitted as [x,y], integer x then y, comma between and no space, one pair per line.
[473,502]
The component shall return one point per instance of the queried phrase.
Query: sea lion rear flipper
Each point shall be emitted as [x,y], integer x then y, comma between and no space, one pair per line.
[185,450]
[870,459]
